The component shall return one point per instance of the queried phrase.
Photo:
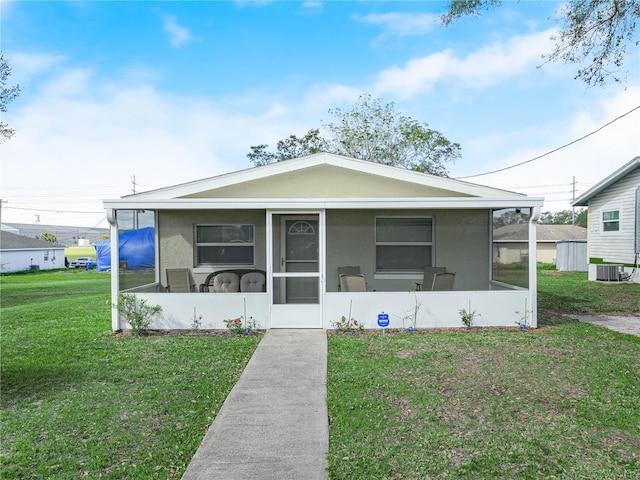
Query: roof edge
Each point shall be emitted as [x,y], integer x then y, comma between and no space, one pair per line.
[582,200]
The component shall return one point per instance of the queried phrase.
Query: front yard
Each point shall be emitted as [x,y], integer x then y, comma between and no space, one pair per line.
[562,401]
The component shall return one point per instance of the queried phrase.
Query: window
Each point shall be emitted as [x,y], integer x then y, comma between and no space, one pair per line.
[611,221]
[404,244]
[231,245]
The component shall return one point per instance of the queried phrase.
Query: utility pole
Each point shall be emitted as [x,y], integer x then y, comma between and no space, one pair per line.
[135,212]
[573,199]
[1,202]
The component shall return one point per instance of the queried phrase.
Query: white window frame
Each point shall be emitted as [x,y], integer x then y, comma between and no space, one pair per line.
[251,244]
[431,243]
[603,222]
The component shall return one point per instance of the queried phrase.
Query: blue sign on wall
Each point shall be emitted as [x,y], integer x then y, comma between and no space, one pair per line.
[383,320]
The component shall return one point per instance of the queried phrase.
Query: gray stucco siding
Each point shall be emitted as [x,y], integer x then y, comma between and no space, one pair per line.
[176,232]
[461,244]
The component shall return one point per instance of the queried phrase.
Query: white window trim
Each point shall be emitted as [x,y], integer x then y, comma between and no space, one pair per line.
[601,222]
[412,274]
[200,266]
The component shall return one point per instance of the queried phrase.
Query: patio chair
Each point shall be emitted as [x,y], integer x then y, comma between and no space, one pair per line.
[226,282]
[353,283]
[253,282]
[429,274]
[349,270]
[179,280]
[443,281]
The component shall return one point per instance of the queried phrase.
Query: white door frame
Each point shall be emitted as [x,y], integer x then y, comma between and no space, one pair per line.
[282,315]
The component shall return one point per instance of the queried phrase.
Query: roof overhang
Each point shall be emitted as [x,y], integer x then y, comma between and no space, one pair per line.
[132,203]
[622,172]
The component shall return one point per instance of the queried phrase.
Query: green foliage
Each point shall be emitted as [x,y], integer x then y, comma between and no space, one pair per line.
[594,34]
[377,133]
[468,316]
[136,312]
[7,94]
[348,326]
[291,147]
[565,217]
[373,132]
[48,237]
[238,326]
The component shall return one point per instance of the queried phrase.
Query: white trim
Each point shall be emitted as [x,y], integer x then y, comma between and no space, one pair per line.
[289,314]
[306,204]
[296,164]
[606,209]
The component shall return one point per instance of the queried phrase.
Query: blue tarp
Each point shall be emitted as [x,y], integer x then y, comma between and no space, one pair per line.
[137,248]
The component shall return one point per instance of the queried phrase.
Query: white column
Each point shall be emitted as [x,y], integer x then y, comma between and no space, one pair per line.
[115,270]
[533,267]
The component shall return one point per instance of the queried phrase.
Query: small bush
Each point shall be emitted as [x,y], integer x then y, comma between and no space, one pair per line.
[136,312]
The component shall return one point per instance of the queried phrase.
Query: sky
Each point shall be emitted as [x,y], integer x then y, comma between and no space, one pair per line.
[136,95]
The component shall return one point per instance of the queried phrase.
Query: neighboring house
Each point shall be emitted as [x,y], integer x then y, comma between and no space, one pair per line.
[614,224]
[19,253]
[300,220]
[65,235]
[511,242]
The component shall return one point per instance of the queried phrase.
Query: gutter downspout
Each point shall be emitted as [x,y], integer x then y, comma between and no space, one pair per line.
[533,267]
[115,270]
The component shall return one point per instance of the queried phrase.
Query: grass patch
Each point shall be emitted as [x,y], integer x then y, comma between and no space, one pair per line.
[555,403]
[77,401]
[565,293]
[73,253]
[558,402]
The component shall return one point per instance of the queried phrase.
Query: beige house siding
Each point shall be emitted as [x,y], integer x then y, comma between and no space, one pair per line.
[325,181]
[614,246]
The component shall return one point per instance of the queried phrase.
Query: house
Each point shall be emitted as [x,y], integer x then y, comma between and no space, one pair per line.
[300,220]
[511,242]
[19,253]
[613,237]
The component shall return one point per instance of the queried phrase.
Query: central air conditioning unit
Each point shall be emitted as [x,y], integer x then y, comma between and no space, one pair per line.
[608,273]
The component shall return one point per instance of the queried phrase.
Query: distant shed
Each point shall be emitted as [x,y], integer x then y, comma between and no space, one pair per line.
[571,255]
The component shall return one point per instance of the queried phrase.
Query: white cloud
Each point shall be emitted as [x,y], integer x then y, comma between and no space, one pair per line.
[589,160]
[400,24]
[25,66]
[487,66]
[178,35]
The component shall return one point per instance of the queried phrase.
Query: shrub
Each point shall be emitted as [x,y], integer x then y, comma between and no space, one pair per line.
[136,312]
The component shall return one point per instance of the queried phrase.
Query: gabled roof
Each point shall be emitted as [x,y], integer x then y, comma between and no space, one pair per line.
[12,241]
[622,172]
[321,179]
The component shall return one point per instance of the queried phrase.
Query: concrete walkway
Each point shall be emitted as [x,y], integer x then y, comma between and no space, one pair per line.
[274,423]
[630,325]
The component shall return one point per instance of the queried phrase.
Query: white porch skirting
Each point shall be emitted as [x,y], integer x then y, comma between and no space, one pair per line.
[495,308]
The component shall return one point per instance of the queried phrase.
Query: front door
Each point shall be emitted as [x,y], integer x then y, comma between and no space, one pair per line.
[297,255]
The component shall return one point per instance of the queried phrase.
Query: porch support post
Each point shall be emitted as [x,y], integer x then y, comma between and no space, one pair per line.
[115,269]
[533,267]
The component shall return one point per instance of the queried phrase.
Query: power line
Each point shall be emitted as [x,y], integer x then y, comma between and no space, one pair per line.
[555,149]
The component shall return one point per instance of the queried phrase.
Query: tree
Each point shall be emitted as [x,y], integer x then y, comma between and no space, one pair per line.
[48,237]
[594,34]
[7,94]
[291,147]
[373,132]
[564,217]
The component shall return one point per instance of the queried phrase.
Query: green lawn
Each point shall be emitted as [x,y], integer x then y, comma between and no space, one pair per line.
[559,402]
[79,402]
